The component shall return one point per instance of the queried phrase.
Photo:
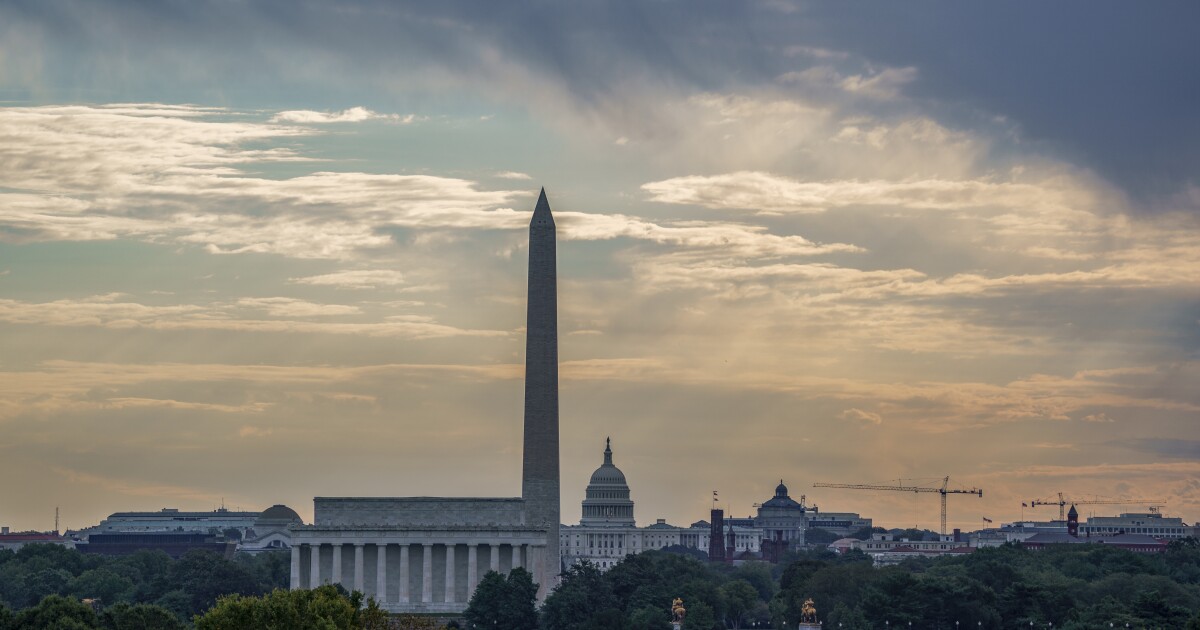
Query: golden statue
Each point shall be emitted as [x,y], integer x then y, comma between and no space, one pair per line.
[677,610]
[808,613]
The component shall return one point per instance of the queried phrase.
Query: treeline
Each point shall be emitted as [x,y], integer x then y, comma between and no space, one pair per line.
[1072,587]
[183,587]
[1010,588]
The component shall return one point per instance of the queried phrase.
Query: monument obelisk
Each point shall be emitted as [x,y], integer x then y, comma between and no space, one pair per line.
[539,474]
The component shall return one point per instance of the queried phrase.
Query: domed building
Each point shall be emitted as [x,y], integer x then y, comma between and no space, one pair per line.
[270,531]
[782,521]
[607,531]
[606,502]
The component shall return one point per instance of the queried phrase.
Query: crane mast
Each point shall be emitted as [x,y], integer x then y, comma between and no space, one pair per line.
[899,486]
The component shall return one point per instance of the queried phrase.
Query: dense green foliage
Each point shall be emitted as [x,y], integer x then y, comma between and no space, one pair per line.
[185,587]
[637,593]
[325,607]
[1073,587]
[504,604]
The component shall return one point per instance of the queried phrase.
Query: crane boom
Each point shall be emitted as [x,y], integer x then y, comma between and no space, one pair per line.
[1062,503]
[900,487]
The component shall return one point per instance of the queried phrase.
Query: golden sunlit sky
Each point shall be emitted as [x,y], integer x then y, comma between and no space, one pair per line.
[256,252]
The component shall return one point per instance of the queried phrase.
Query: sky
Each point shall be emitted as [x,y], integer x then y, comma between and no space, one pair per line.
[256,252]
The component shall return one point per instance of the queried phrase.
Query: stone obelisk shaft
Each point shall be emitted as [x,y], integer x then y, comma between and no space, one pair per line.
[539,479]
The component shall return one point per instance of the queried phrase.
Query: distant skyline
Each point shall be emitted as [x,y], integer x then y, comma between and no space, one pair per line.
[266,251]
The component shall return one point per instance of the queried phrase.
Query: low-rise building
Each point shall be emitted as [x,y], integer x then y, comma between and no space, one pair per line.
[174,520]
[14,541]
[1140,543]
[174,544]
[1152,524]
[840,523]
[1015,532]
[890,549]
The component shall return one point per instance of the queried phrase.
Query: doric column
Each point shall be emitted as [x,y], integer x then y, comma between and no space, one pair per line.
[427,572]
[450,573]
[295,567]
[337,564]
[404,573]
[314,563]
[495,559]
[472,569]
[516,556]
[358,567]
[381,572]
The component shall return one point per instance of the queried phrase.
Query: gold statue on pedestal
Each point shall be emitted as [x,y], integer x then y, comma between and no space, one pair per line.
[808,613]
[678,612]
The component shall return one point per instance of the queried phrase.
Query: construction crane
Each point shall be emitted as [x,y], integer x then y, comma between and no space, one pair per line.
[1062,503]
[900,487]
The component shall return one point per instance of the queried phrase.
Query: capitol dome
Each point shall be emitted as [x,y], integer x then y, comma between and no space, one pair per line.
[607,499]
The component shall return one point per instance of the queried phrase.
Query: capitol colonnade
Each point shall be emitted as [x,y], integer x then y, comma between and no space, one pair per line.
[430,571]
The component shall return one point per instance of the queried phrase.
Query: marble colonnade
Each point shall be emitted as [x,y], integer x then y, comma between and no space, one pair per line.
[412,574]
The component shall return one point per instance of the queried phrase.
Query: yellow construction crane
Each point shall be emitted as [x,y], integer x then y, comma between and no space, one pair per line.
[899,486]
[1062,503]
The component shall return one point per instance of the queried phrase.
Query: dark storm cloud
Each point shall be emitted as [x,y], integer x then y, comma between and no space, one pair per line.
[1113,84]
[1107,84]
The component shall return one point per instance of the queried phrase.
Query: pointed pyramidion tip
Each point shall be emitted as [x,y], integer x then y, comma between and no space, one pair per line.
[541,212]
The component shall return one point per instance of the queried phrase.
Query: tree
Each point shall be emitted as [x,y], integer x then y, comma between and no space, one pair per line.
[125,616]
[758,574]
[103,584]
[848,618]
[816,536]
[413,622]
[583,594]
[700,616]
[205,576]
[504,604]
[322,607]
[650,619]
[739,598]
[56,612]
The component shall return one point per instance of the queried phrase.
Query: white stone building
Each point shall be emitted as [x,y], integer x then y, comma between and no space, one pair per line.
[172,520]
[1152,524]
[271,530]
[840,523]
[888,549]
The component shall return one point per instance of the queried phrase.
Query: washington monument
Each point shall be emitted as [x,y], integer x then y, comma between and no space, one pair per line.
[539,475]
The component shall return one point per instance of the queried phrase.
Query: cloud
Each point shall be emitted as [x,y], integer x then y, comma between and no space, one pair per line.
[106,311]
[772,194]
[291,307]
[513,175]
[354,114]
[859,415]
[355,279]
[884,84]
